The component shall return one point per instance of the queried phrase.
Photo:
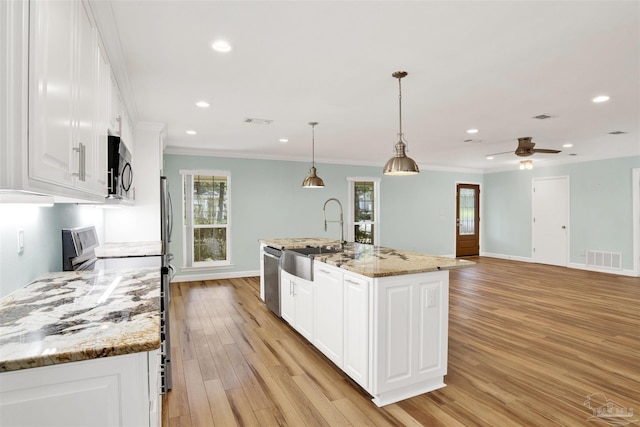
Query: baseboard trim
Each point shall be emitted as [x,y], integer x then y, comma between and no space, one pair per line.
[214,276]
[509,257]
[577,266]
[602,270]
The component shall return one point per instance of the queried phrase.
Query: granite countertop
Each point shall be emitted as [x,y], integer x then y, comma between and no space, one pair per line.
[373,261]
[80,315]
[128,249]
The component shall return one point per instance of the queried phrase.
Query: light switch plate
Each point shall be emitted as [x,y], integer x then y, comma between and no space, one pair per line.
[20,240]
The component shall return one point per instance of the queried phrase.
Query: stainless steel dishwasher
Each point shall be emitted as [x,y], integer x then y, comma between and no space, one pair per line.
[271,258]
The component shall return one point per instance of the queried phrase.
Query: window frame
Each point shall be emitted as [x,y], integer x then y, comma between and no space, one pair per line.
[351,223]
[187,221]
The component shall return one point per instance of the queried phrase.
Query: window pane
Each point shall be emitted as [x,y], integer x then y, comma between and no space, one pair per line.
[467,212]
[364,199]
[209,199]
[364,233]
[209,244]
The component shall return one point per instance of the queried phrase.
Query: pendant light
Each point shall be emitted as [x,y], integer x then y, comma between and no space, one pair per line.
[400,164]
[313,181]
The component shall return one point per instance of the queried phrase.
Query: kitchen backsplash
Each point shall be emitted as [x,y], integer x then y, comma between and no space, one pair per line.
[42,251]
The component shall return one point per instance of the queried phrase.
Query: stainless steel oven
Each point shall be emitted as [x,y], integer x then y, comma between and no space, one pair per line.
[78,253]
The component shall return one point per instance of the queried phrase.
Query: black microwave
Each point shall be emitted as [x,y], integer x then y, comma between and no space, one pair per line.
[119,172]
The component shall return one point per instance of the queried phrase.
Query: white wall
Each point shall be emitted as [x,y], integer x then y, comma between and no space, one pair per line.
[140,222]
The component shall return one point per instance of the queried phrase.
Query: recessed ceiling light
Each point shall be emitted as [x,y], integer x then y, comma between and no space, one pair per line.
[191,132]
[221,46]
[490,157]
[202,104]
[472,130]
[567,145]
[283,140]
[601,98]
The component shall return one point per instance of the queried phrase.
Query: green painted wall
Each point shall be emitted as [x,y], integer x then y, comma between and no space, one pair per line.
[600,208]
[267,201]
[42,239]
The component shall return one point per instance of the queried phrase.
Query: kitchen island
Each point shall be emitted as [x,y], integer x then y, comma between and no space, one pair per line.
[81,346]
[379,314]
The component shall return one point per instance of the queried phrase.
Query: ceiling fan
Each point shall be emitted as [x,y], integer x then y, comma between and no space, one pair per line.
[525,148]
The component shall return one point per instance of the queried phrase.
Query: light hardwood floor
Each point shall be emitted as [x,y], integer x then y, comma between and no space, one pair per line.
[527,345]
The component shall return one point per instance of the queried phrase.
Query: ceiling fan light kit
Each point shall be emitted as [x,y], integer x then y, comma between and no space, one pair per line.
[526,165]
[400,164]
[313,180]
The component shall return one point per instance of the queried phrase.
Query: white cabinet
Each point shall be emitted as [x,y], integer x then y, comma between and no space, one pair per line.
[329,312]
[58,102]
[63,82]
[296,303]
[356,328]
[110,391]
[409,335]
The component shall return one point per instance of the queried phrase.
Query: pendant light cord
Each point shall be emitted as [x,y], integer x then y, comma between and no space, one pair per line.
[313,145]
[400,106]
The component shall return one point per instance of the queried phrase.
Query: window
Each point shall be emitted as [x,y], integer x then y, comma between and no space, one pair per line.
[206,208]
[364,205]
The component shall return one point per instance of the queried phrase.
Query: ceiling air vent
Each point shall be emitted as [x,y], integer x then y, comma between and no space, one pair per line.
[617,132]
[543,116]
[255,121]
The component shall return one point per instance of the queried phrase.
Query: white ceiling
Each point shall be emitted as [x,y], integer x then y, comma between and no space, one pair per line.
[490,65]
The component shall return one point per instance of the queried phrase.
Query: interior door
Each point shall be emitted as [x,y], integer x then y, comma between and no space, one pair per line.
[467,220]
[550,220]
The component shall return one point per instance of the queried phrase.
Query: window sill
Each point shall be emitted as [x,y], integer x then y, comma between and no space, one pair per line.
[206,268]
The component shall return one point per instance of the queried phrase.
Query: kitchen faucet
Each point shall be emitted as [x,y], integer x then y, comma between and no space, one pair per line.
[324,216]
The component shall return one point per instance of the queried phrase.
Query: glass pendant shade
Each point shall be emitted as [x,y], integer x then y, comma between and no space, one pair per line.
[313,180]
[400,164]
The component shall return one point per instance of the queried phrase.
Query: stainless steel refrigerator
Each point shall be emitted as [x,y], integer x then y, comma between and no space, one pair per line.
[166,228]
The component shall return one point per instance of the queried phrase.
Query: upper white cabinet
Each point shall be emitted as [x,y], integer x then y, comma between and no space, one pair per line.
[63,108]
[59,101]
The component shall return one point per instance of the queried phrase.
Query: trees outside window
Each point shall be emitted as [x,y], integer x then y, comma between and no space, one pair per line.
[206,218]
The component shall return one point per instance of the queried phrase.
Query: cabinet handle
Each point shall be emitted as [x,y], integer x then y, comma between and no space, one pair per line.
[110,179]
[82,170]
[293,286]
[352,282]
[325,271]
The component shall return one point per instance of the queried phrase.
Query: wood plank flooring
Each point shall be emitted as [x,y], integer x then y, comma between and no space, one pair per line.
[527,345]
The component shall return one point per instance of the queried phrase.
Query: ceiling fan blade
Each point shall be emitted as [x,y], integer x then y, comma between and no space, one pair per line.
[544,150]
[495,154]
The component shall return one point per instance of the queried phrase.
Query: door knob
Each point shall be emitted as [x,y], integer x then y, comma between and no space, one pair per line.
[563,227]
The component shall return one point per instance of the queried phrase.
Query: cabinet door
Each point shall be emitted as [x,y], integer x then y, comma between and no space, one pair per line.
[51,91]
[303,294]
[287,301]
[105,392]
[85,105]
[101,124]
[356,329]
[329,312]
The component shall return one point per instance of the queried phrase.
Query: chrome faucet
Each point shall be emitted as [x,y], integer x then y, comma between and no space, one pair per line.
[324,216]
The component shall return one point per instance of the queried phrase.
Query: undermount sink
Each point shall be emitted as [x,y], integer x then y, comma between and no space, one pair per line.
[299,261]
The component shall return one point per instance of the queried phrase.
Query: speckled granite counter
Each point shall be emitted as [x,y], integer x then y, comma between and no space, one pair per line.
[373,261]
[71,316]
[128,249]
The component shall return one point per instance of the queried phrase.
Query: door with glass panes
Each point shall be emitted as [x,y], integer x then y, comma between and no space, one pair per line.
[467,220]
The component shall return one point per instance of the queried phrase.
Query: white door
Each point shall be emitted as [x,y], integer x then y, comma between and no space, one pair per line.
[550,220]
